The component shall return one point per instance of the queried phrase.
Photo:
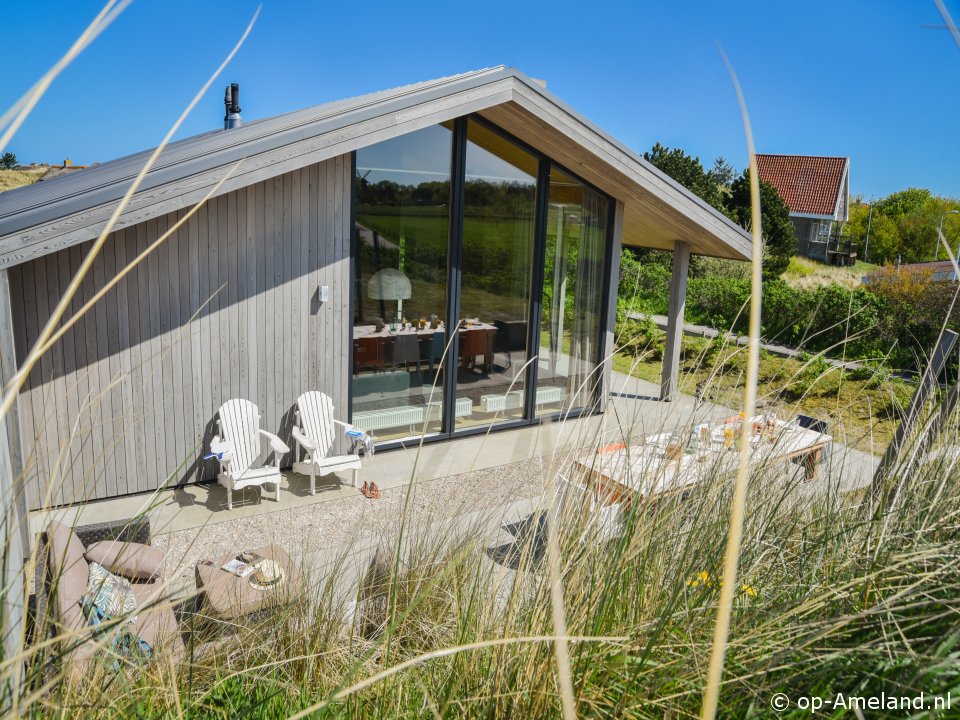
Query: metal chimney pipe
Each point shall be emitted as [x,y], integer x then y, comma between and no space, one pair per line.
[231,102]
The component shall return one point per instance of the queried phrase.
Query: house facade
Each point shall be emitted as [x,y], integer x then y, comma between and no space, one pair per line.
[438,258]
[817,191]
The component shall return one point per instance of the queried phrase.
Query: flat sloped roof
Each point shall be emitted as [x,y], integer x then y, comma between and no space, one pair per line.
[48,216]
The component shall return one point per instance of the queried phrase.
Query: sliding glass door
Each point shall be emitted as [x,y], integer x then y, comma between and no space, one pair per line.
[568,370]
[479,273]
[400,241]
[499,210]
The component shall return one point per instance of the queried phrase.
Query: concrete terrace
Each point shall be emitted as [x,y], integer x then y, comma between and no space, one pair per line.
[491,480]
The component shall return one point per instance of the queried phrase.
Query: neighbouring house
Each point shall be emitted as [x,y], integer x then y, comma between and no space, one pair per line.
[817,191]
[436,257]
[67,167]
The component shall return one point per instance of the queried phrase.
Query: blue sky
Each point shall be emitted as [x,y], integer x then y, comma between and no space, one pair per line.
[872,80]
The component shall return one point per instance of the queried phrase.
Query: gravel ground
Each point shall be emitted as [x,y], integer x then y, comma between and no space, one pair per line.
[339,523]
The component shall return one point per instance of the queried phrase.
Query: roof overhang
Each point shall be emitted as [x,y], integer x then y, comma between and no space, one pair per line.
[811,216]
[657,211]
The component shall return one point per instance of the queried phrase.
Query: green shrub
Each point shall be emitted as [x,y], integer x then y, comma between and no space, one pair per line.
[641,337]
[643,286]
[897,319]
[714,298]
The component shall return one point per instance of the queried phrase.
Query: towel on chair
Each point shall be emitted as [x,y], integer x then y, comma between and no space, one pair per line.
[361,441]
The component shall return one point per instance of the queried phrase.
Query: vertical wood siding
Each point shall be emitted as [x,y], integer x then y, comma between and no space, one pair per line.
[227,307]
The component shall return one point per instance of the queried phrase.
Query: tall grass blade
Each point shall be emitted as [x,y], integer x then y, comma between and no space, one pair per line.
[13,387]
[735,533]
[13,118]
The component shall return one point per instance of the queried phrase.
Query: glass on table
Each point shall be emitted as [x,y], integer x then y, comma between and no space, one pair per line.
[703,433]
[771,427]
[674,449]
[729,435]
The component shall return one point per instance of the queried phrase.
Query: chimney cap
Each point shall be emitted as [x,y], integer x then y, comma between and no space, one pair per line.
[231,102]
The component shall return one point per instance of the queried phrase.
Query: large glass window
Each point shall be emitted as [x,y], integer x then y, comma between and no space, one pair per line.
[407,247]
[400,245]
[500,192]
[568,373]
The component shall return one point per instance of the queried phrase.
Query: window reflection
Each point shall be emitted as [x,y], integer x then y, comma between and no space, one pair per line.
[498,230]
[577,218]
[401,244]
[400,248]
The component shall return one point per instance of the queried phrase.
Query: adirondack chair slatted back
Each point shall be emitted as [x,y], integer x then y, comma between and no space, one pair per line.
[316,418]
[240,424]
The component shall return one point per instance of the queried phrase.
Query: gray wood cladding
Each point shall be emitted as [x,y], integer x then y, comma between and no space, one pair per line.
[227,307]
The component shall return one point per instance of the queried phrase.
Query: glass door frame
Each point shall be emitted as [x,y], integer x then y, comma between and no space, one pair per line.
[535,306]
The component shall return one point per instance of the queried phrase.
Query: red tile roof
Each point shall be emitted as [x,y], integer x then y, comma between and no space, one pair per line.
[808,183]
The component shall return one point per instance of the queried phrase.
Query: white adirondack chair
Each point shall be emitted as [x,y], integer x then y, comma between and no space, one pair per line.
[240,449]
[315,433]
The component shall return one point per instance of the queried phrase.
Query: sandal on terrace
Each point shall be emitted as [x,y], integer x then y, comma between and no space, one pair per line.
[365,490]
[374,491]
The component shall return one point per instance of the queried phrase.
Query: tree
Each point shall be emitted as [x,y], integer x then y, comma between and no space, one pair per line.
[905,223]
[905,202]
[884,236]
[688,171]
[723,172]
[780,240]
[8,161]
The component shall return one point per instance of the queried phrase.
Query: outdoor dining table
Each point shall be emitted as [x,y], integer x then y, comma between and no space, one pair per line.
[621,471]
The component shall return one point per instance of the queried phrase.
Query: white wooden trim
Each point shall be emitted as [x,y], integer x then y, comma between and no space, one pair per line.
[811,216]
[844,191]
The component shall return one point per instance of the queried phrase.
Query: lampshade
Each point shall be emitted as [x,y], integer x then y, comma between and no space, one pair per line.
[389,284]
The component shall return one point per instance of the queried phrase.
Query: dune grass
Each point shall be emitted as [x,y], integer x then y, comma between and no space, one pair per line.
[830,600]
[10,179]
[833,596]
[806,274]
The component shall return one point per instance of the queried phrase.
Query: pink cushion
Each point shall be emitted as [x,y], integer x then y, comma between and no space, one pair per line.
[69,572]
[156,622]
[132,560]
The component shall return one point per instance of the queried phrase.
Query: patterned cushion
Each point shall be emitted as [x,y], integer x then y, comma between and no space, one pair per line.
[111,593]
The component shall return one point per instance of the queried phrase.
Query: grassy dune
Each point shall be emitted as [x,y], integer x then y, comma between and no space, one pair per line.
[805,274]
[10,179]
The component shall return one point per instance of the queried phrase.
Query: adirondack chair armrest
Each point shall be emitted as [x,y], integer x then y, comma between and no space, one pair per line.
[276,444]
[303,441]
[347,426]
